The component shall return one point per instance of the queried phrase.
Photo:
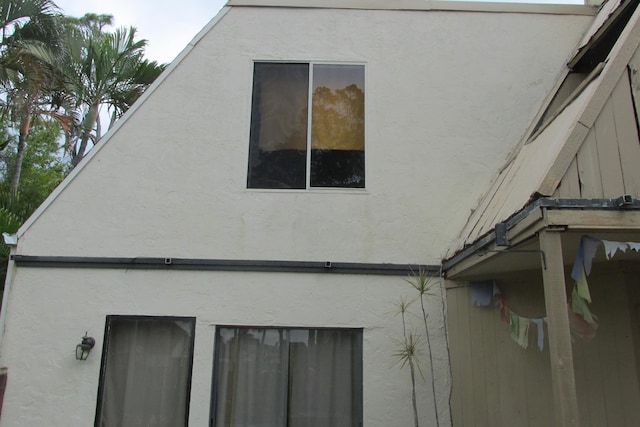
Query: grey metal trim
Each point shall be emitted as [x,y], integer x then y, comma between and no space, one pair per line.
[143,263]
[621,203]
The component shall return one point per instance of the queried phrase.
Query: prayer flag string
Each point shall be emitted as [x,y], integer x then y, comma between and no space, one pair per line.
[582,321]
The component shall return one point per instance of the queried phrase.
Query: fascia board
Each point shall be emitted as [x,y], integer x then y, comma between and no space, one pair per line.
[422,5]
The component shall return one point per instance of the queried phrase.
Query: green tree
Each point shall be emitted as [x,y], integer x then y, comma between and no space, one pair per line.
[42,171]
[43,167]
[104,69]
[31,44]
[15,14]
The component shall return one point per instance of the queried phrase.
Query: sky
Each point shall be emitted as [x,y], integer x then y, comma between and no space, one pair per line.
[168,26]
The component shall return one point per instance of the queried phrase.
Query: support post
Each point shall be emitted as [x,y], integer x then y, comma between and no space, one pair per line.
[560,351]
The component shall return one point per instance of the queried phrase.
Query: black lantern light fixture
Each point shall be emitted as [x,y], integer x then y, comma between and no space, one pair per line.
[84,348]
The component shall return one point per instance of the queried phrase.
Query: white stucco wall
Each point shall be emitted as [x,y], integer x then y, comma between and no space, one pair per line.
[447,95]
[52,309]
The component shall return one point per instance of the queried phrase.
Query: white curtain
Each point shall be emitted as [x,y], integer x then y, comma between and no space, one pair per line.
[292,378]
[147,370]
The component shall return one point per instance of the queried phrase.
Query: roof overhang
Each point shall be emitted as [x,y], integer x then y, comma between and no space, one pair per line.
[422,5]
[513,244]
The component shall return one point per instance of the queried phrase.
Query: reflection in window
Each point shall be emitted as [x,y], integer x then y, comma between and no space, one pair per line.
[288,377]
[279,152]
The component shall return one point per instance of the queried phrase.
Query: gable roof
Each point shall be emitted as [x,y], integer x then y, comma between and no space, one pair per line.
[541,163]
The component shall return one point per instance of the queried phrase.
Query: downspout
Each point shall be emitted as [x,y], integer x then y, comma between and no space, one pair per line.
[12,241]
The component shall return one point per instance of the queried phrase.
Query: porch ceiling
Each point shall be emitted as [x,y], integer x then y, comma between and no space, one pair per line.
[490,260]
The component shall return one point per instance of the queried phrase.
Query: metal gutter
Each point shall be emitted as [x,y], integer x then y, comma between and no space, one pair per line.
[621,203]
[142,263]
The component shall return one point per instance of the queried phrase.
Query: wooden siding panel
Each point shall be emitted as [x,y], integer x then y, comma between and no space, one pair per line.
[624,350]
[454,325]
[514,387]
[507,389]
[582,385]
[569,187]
[466,386]
[606,371]
[589,378]
[457,303]
[476,348]
[588,168]
[490,366]
[513,392]
[538,380]
[608,153]
[632,280]
[609,349]
[627,133]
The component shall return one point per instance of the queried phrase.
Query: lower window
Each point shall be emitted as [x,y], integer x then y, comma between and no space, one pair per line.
[287,377]
[146,371]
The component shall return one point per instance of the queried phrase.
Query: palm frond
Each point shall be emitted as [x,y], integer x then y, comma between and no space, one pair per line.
[422,282]
[409,351]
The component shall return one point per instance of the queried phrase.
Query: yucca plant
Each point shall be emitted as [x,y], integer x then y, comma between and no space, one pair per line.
[407,353]
[424,285]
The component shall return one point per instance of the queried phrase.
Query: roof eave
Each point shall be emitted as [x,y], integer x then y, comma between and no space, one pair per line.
[422,5]
[535,216]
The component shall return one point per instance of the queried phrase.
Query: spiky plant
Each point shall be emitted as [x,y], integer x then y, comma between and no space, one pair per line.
[407,355]
[424,285]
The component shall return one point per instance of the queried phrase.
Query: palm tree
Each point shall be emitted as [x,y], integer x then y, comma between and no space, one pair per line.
[30,46]
[41,17]
[104,69]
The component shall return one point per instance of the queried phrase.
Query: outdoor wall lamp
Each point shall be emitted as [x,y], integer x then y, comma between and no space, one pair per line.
[84,348]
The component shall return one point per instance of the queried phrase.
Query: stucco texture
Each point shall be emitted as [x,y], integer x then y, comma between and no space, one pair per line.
[447,95]
[52,308]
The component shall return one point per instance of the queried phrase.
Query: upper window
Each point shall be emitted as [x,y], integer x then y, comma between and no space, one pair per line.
[290,148]
[146,372]
[287,377]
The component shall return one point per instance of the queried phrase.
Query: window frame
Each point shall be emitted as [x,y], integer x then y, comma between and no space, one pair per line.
[105,347]
[308,187]
[360,365]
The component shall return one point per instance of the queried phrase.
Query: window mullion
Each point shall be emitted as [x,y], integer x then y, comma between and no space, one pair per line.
[309,124]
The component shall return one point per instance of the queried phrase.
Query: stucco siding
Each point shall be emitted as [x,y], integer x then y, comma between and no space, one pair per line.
[445,101]
[52,308]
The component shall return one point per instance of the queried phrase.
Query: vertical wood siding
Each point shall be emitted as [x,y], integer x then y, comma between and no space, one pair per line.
[497,383]
[608,162]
